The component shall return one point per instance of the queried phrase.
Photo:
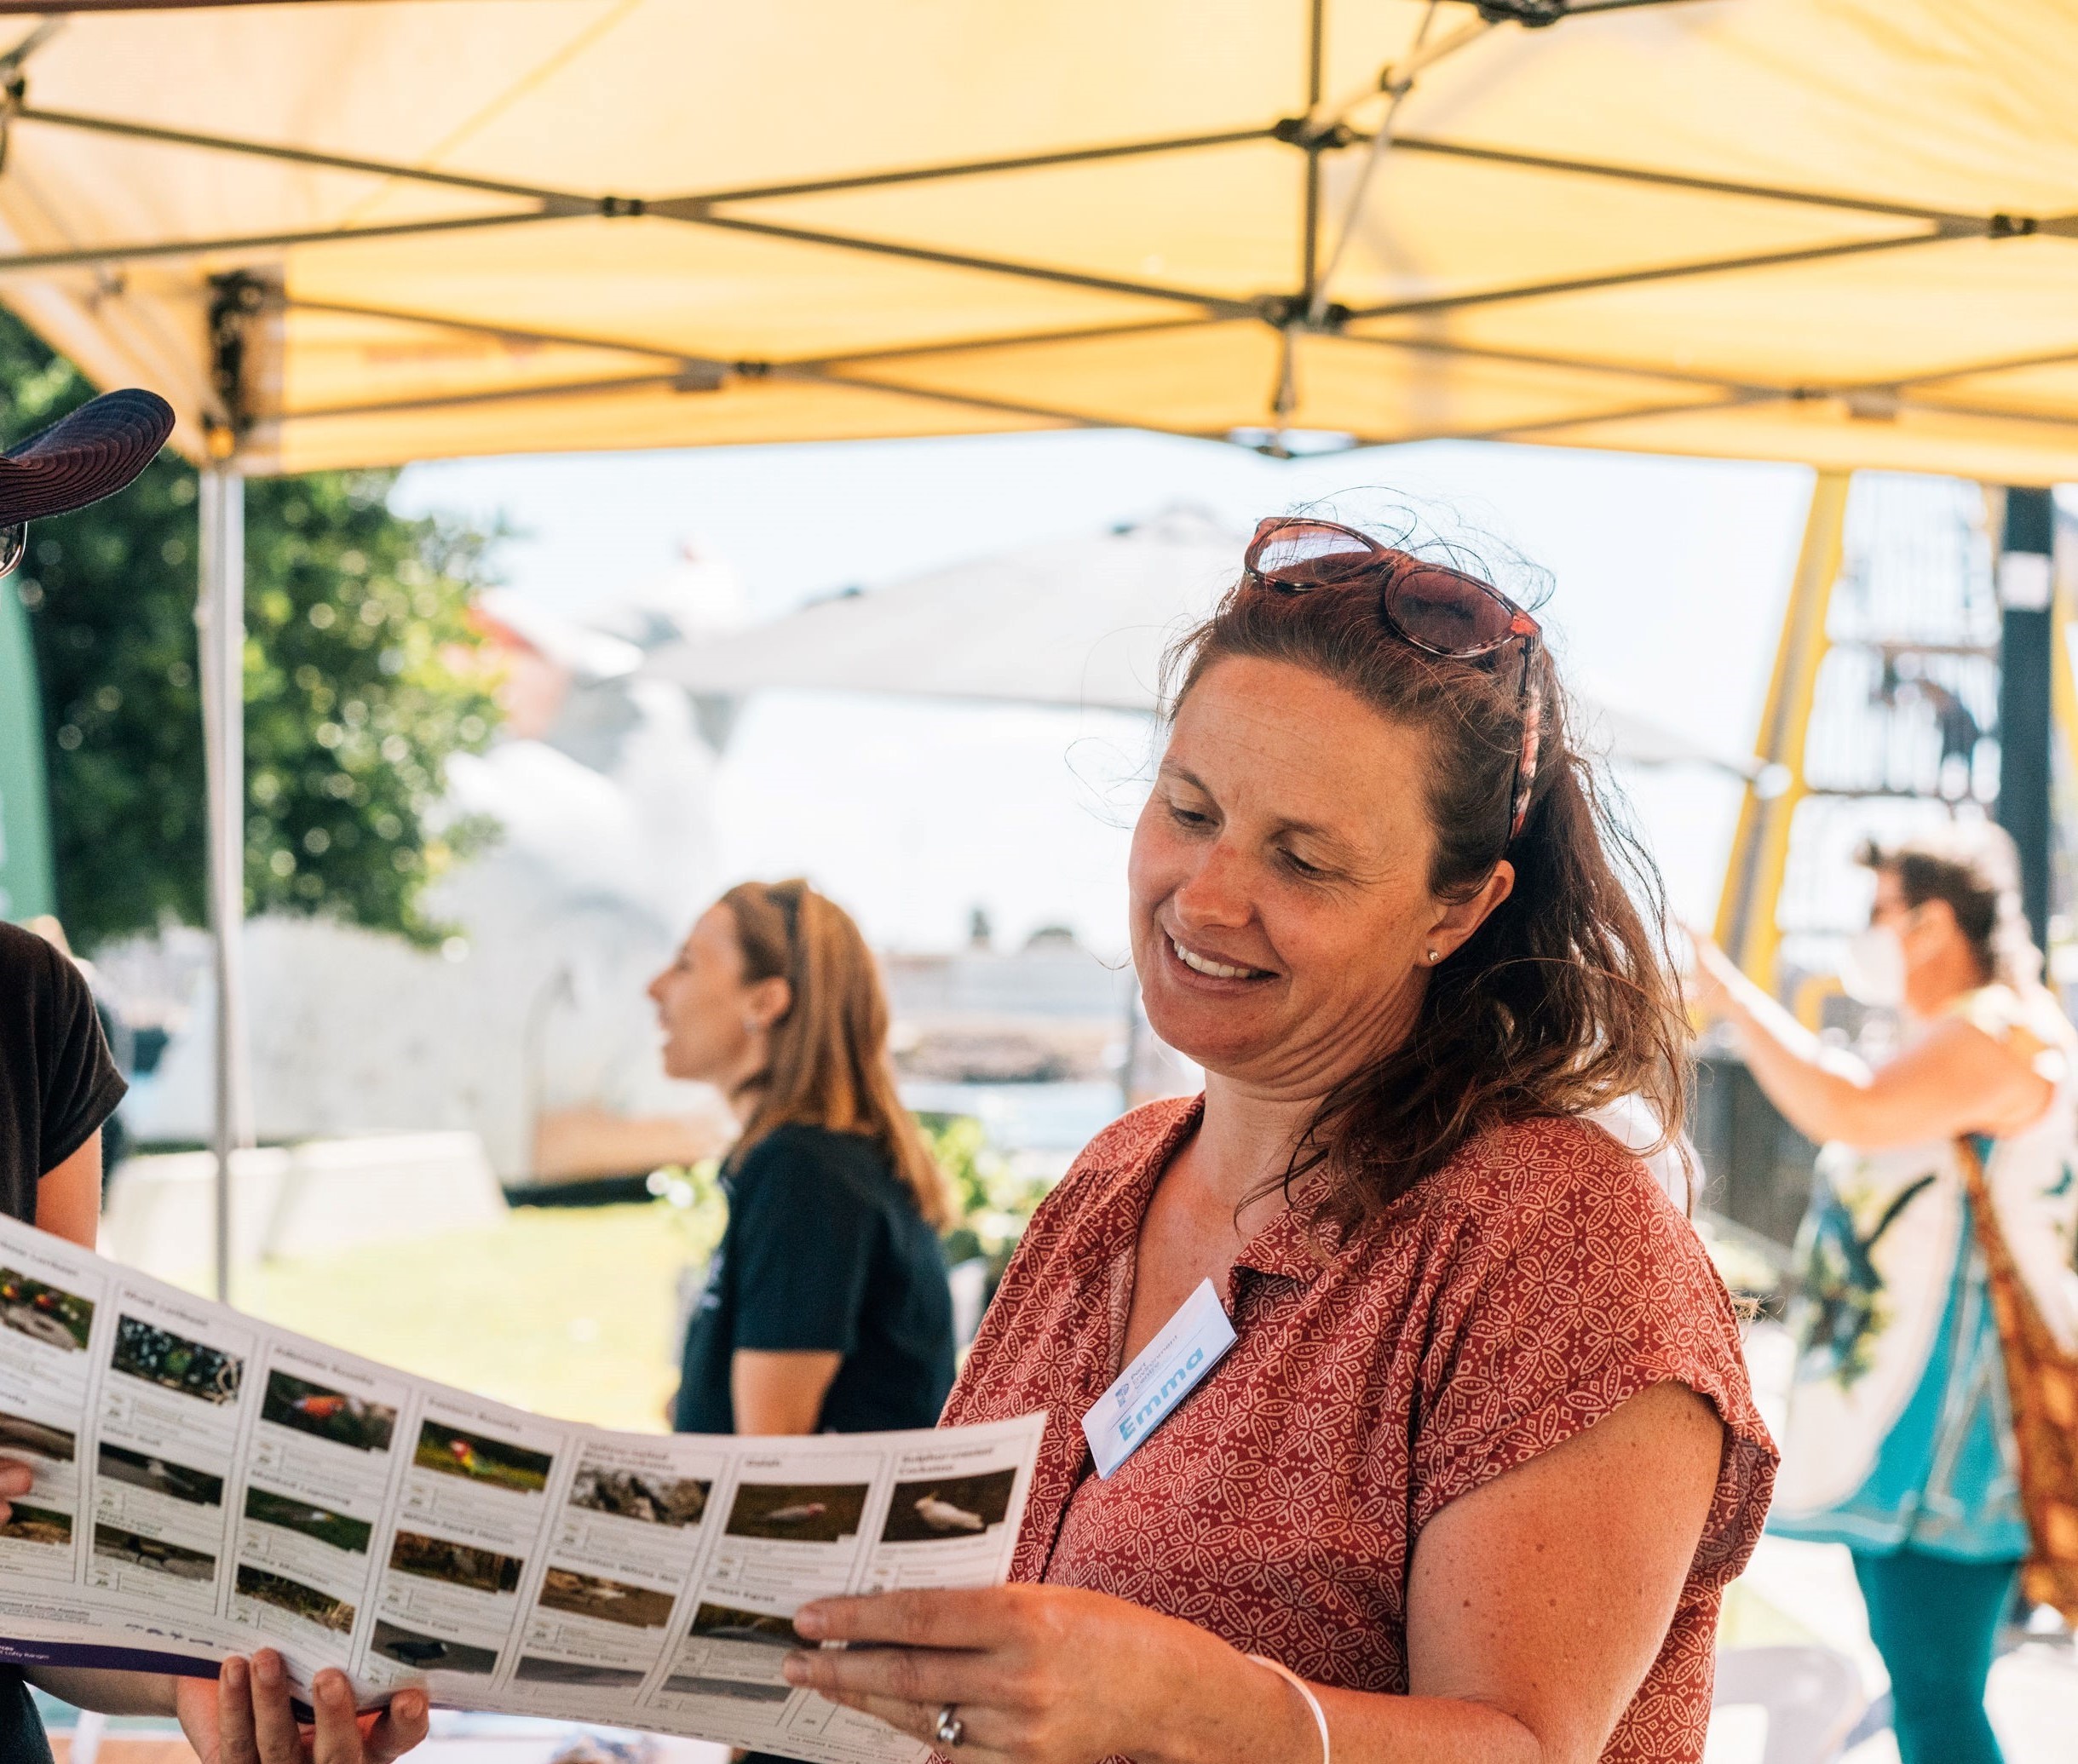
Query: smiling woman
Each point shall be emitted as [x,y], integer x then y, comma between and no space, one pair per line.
[1471,1477]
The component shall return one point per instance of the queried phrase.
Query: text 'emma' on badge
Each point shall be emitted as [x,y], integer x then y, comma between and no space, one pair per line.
[1163,1373]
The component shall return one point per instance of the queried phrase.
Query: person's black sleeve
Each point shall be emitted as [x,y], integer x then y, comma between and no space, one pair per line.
[802,1240]
[81,1086]
[21,1733]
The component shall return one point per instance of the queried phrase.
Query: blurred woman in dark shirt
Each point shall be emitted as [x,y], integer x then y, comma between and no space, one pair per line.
[826,1308]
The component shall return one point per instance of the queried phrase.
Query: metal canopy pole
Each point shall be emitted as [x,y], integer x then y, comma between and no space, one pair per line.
[2027,584]
[220,616]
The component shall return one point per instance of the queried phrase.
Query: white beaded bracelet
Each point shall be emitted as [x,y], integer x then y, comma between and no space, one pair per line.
[1305,1690]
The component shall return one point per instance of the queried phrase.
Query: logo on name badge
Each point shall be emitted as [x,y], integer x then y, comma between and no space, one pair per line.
[1165,1372]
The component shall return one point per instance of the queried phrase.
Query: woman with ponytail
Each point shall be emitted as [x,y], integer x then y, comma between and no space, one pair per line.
[1438,1443]
[1912,1429]
[826,1308]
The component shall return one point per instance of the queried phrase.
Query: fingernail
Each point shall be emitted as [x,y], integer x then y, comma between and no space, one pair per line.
[411,1706]
[810,1622]
[794,1668]
[267,1667]
[234,1672]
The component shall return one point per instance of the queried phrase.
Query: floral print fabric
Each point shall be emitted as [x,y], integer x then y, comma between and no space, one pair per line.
[1900,1431]
[1504,1305]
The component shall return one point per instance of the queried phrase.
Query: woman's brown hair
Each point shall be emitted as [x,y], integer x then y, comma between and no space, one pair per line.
[1973,866]
[1566,997]
[829,1063]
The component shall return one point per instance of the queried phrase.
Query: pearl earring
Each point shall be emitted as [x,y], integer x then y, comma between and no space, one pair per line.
[1433,957]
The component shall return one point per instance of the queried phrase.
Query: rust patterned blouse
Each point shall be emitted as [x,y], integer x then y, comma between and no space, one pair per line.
[1504,1304]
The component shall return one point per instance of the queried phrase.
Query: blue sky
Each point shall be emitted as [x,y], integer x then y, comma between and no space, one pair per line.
[1668,578]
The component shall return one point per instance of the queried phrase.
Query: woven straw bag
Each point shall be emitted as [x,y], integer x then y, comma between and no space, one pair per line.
[2042,1380]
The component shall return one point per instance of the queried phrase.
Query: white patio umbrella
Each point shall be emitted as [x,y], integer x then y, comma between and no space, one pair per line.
[1080,622]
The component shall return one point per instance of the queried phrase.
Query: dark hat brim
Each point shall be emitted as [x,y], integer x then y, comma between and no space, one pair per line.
[82,457]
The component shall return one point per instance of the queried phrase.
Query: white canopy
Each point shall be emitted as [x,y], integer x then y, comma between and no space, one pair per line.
[1838,230]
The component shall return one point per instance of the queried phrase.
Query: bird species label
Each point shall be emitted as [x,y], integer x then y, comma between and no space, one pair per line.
[1163,1373]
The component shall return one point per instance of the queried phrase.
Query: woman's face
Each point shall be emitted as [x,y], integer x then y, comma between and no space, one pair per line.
[1890,906]
[1281,913]
[716,1023]
[1931,941]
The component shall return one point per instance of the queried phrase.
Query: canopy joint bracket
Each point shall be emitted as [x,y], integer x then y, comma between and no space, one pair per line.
[1312,135]
[14,79]
[235,301]
[14,93]
[1294,312]
[1530,14]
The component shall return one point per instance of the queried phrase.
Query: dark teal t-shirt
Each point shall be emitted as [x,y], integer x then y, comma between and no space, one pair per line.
[824,1251]
[21,1732]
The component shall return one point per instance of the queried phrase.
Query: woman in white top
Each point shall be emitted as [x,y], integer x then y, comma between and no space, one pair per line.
[1900,1443]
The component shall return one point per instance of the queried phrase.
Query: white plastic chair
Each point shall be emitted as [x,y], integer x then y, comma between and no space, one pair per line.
[87,1736]
[1812,1695]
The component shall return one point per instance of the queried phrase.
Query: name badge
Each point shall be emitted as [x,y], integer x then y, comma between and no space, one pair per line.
[1163,1373]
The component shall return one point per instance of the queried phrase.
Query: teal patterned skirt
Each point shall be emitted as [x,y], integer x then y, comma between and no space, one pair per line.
[1946,1479]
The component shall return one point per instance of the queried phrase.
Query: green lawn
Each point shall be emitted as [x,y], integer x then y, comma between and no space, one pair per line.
[565,1311]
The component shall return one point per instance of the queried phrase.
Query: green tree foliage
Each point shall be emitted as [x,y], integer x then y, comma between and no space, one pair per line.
[994,1199]
[361,680]
[361,677]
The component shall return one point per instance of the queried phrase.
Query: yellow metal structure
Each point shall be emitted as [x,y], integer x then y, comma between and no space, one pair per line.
[1746,926]
[1809,1005]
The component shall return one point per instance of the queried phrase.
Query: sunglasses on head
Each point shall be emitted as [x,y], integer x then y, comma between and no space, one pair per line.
[1437,609]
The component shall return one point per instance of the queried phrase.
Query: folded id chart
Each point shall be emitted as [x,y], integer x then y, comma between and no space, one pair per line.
[206,1484]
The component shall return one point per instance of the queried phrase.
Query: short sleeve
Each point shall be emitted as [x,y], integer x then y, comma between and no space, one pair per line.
[79,1083]
[801,1238]
[1576,1287]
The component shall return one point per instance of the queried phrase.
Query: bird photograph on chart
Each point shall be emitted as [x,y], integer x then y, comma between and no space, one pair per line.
[951,1507]
[798,1513]
[327,1414]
